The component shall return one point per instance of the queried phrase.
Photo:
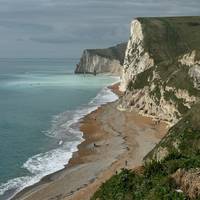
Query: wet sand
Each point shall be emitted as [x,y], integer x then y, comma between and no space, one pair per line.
[112,140]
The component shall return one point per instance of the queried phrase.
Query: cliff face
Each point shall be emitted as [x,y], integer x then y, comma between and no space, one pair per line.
[108,60]
[161,79]
[136,58]
[161,71]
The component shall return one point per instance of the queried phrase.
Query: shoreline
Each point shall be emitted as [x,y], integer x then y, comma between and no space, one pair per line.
[70,163]
[89,163]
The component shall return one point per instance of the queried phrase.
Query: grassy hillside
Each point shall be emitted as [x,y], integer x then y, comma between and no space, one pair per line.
[166,38]
[117,52]
[184,137]
[151,185]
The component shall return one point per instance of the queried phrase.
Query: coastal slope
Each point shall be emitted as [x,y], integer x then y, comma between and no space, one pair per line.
[162,67]
[109,60]
[161,79]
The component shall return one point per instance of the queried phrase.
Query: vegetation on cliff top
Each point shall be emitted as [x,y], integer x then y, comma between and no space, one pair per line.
[166,38]
[117,52]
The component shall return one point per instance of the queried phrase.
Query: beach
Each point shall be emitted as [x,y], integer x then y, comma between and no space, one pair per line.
[112,140]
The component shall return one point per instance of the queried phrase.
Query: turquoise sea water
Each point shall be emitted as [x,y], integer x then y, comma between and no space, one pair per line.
[41,100]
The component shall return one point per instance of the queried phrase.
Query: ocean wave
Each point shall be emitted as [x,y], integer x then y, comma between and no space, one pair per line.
[69,137]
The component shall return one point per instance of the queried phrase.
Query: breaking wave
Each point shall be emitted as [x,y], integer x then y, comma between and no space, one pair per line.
[65,129]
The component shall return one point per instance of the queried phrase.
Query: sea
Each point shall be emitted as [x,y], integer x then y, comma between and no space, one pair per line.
[41,103]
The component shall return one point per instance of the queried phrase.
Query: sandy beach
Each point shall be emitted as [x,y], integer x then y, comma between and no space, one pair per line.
[113,140]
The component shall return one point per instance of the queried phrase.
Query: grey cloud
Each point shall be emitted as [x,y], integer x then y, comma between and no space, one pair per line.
[29,27]
[86,33]
[24,27]
[51,40]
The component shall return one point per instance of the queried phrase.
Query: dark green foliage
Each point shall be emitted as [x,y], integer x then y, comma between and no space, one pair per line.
[183,139]
[176,75]
[118,186]
[154,184]
[141,80]
[155,94]
[130,86]
[170,95]
[179,78]
[186,133]
[154,168]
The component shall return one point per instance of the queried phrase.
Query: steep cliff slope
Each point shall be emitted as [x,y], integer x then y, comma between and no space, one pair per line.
[162,67]
[161,78]
[108,60]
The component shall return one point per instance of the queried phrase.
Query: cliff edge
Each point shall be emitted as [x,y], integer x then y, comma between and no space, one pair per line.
[161,72]
[161,79]
[109,60]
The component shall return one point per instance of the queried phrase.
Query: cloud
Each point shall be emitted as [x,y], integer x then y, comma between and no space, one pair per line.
[75,24]
[52,40]
[25,27]
[85,33]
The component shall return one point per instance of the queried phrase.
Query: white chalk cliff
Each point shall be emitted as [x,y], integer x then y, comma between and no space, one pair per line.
[145,87]
[108,60]
[91,63]
[136,58]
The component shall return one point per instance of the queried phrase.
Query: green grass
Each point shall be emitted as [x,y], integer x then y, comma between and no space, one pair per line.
[186,133]
[166,38]
[155,183]
[141,80]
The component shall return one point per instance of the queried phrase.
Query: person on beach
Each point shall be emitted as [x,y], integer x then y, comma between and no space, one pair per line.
[95,73]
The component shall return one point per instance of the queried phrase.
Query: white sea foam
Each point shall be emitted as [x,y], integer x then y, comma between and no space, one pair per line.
[43,164]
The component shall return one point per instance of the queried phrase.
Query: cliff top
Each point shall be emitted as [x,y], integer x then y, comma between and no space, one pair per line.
[117,52]
[167,40]
[169,37]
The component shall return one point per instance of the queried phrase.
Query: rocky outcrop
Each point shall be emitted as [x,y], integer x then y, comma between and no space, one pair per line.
[108,60]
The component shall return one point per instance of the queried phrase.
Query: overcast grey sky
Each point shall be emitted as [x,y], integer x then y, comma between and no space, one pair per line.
[63,28]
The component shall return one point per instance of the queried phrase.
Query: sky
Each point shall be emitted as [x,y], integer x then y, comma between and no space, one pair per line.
[63,28]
